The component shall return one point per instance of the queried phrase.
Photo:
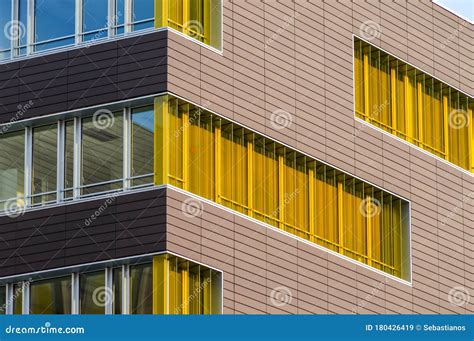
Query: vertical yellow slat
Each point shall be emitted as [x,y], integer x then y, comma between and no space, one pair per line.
[408,109]
[446,127]
[281,191]
[185,291]
[393,94]
[186,15]
[207,21]
[366,86]
[368,201]
[161,143]
[186,128]
[250,177]
[160,284]
[312,204]
[161,13]
[470,131]
[420,112]
[340,215]
[217,165]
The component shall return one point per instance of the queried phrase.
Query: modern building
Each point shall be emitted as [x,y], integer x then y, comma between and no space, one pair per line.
[236,157]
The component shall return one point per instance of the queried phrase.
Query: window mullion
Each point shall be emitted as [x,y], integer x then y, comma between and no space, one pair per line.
[109,291]
[77,158]
[9,299]
[127,141]
[126,290]
[28,165]
[79,16]
[25,304]
[128,16]
[112,18]
[30,27]
[60,160]
[75,293]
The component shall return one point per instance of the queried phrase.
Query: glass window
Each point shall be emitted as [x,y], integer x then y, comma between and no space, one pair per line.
[62,14]
[94,19]
[3,300]
[93,294]
[102,152]
[52,296]
[69,159]
[142,14]
[141,289]
[117,291]
[119,18]
[18,298]
[12,173]
[142,145]
[6,29]
[44,170]
[23,24]
[199,19]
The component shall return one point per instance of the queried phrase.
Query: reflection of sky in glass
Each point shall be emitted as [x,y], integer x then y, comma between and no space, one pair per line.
[54,19]
[463,8]
[144,119]
[142,9]
[95,13]
[5,17]
[23,16]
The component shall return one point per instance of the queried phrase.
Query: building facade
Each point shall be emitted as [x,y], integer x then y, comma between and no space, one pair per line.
[236,157]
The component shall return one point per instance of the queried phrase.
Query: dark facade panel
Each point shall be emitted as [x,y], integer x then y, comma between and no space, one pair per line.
[84,232]
[92,75]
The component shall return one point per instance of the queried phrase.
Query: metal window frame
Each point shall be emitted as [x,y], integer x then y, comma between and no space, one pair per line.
[75,300]
[77,169]
[28,182]
[126,289]
[127,148]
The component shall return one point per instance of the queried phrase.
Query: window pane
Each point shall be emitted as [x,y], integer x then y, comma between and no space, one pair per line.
[12,162]
[3,300]
[141,289]
[52,296]
[23,19]
[142,144]
[62,14]
[5,33]
[117,289]
[143,10]
[119,16]
[17,298]
[102,152]
[95,19]
[44,163]
[69,159]
[92,293]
